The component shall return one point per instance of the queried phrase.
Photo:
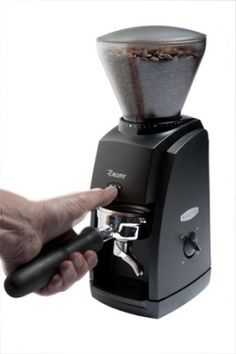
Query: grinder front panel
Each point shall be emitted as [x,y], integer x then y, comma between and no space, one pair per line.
[152,275]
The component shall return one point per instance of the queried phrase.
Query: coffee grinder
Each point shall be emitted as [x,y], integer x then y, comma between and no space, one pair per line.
[154,239]
[158,160]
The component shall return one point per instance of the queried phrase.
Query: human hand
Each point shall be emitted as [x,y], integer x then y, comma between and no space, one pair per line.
[25,226]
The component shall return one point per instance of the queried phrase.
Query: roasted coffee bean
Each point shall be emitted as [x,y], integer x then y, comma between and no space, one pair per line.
[155,59]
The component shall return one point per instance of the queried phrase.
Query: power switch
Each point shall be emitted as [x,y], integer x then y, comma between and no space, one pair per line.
[190,246]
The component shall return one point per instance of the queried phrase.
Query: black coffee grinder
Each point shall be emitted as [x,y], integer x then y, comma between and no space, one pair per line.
[158,159]
[158,252]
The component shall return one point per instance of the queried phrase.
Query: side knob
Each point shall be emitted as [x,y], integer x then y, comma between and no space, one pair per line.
[190,245]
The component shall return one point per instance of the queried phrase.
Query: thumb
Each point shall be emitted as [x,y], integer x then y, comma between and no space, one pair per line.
[59,214]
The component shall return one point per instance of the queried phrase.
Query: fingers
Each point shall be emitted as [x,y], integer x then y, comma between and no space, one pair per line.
[70,271]
[81,203]
[59,214]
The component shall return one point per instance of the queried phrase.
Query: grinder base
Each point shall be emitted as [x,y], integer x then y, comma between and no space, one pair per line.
[154,309]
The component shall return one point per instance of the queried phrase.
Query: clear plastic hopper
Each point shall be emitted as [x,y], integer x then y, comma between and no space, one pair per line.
[151,69]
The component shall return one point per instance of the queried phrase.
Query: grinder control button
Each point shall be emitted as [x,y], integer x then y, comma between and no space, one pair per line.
[117,185]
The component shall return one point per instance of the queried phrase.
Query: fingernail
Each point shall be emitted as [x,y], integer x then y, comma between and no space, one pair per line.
[112,189]
[57,281]
[91,259]
[65,267]
[78,261]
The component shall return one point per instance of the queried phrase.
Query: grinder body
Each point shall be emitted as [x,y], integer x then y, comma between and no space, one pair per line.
[165,172]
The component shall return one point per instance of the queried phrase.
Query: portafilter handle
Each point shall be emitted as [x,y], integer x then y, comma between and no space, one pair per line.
[37,273]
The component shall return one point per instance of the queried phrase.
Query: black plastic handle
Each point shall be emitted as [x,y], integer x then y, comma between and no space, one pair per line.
[38,272]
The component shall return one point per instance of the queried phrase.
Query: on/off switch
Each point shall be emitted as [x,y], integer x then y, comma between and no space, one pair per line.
[117,185]
[190,245]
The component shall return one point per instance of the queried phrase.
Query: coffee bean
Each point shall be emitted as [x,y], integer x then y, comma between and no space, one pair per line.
[155,59]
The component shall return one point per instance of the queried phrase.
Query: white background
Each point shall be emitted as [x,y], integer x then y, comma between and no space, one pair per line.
[56,103]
